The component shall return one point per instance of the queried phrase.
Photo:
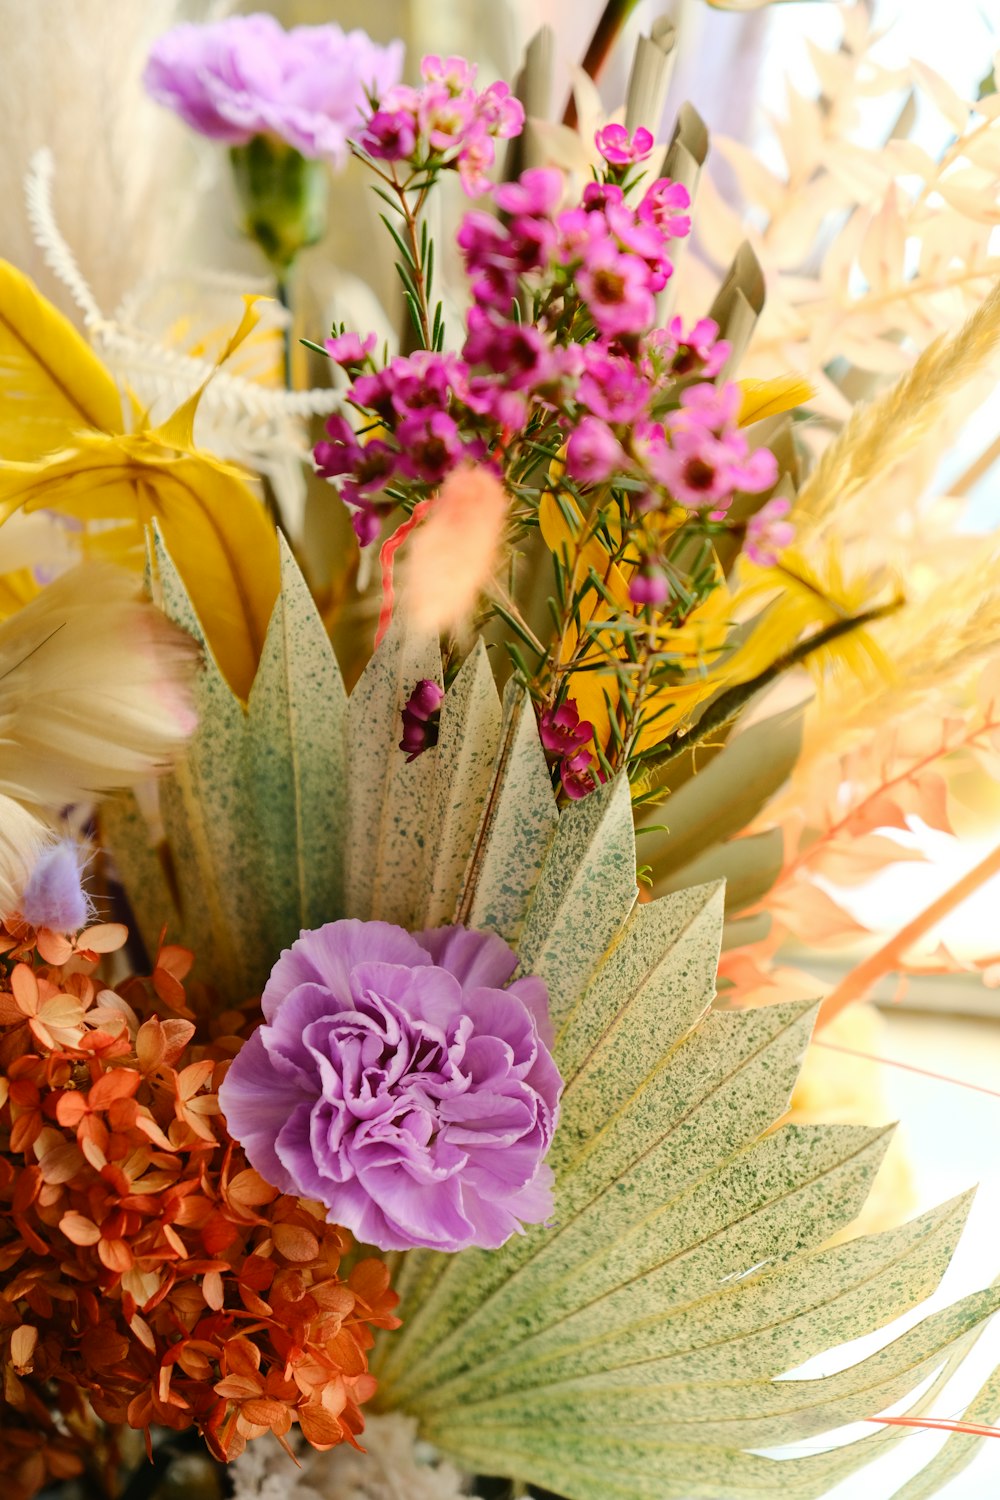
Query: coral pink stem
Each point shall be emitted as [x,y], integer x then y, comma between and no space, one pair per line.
[387,557]
[856,984]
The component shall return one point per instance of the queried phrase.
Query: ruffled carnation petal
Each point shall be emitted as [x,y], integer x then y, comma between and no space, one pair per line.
[327,955]
[475,958]
[417,1099]
[257,1099]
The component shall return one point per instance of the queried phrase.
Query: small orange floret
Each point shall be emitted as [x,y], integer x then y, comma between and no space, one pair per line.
[145,1267]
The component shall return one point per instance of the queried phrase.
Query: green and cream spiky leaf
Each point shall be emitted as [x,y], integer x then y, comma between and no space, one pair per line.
[632,1349]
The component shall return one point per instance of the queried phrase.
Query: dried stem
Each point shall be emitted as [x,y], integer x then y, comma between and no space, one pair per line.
[613,18]
[974,473]
[889,957]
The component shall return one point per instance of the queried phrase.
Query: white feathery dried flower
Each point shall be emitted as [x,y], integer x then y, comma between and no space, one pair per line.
[395,1464]
[94,695]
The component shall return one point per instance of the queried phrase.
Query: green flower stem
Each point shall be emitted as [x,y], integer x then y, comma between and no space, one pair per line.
[414,241]
[283,196]
[728,704]
[283,286]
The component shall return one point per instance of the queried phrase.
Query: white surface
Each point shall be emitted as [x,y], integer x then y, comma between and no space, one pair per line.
[952,1135]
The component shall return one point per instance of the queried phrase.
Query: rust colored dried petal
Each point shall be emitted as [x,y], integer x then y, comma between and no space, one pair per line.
[295,1242]
[106,937]
[319,1427]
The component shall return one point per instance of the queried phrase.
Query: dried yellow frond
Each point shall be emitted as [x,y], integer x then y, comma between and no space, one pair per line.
[881,432]
[769,398]
[66,450]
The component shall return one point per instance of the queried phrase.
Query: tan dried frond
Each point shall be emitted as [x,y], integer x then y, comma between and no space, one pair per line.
[913,255]
[938,646]
[880,433]
[70,80]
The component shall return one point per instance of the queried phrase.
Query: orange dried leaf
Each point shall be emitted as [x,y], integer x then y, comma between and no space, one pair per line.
[71,1108]
[249,1190]
[175,960]
[370,1280]
[11,1013]
[320,1427]
[78,1228]
[115,1254]
[267,1412]
[106,937]
[22,1348]
[194,1077]
[295,1243]
[176,1035]
[24,987]
[150,1044]
[62,1163]
[169,989]
[53,947]
[119,1083]
[213,1289]
[142,1331]
[237,1387]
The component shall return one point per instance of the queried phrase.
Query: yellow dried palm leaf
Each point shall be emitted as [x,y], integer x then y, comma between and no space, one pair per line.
[769,398]
[65,449]
[51,381]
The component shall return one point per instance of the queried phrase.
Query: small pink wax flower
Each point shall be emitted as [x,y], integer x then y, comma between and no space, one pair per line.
[593,453]
[246,76]
[404,1082]
[350,348]
[579,775]
[420,718]
[562,731]
[649,585]
[665,205]
[620,149]
[768,532]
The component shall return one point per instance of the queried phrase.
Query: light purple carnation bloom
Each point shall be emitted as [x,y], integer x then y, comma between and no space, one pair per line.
[247,76]
[403,1083]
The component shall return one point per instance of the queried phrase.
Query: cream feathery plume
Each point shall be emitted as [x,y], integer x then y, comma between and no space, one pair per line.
[23,837]
[124,164]
[881,432]
[94,690]
[454,552]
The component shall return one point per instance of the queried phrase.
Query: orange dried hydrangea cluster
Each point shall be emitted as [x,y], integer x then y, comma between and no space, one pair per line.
[142,1262]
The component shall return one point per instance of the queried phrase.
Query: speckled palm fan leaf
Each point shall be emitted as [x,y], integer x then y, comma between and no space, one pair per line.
[629,1350]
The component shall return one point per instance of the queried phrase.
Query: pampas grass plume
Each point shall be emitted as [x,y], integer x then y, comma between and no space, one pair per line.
[95,694]
[95,689]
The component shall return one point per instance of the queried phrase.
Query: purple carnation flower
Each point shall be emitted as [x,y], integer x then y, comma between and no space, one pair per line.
[247,76]
[399,1082]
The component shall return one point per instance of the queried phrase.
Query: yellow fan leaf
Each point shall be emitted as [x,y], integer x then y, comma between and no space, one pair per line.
[594,692]
[89,469]
[51,381]
[768,398]
[16,590]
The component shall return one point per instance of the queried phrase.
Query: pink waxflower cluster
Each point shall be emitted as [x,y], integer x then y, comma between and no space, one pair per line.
[418,403]
[567,740]
[639,411]
[445,123]
[421,718]
[613,256]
